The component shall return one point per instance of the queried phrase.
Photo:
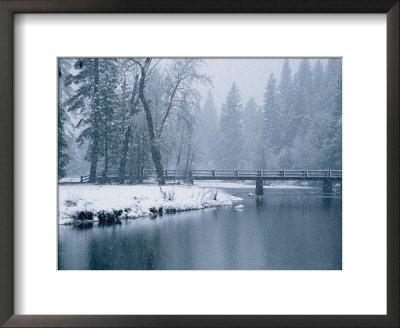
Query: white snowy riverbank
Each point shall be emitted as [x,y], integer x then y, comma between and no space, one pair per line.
[136,200]
[251,184]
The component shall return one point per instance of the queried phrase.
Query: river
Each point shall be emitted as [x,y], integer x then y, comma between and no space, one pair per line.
[286,229]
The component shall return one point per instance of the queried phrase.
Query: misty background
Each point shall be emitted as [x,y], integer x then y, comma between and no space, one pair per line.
[247,113]
[250,75]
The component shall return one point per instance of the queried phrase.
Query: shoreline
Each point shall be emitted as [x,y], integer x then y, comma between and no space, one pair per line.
[109,203]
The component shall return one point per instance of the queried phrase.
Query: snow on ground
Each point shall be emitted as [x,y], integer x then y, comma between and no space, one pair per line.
[248,184]
[139,199]
[67,180]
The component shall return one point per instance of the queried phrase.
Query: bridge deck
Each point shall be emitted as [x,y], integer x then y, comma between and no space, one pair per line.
[333,175]
[250,174]
[336,178]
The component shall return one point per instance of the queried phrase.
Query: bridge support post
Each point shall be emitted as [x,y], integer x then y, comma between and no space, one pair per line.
[259,187]
[327,186]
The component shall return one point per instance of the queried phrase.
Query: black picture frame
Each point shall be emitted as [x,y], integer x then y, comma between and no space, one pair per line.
[10,7]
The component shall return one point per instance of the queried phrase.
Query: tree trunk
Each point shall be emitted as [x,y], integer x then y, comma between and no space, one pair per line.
[128,134]
[187,168]
[94,159]
[138,159]
[122,165]
[154,145]
[95,148]
[187,159]
[178,159]
[141,154]
[105,172]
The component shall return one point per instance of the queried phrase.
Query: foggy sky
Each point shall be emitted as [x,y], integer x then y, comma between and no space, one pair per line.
[250,75]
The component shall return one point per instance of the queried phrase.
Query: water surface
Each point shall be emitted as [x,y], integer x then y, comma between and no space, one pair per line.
[284,230]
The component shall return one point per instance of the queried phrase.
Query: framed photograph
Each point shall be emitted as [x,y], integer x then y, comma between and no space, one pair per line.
[199,164]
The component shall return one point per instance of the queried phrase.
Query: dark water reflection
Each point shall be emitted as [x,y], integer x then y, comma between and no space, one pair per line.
[284,230]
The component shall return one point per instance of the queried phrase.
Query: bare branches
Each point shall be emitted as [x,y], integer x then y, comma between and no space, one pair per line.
[154,66]
[185,73]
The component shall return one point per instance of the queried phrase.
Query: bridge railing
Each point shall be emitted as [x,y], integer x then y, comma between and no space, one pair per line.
[203,173]
[167,173]
[85,178]
[336,173]
[111,173]
[324,173]
[231,173]
[225,173]
[248,173]
[272,173]
[149,172]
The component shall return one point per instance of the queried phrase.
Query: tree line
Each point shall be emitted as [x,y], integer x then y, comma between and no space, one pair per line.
[298,125]
[136,113]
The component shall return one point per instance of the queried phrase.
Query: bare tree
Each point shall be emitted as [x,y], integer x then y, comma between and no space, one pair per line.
[133,109]
[180,76]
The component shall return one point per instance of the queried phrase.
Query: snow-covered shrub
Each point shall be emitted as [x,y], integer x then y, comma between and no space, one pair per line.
[168,195]
[109,217]
[85,215]
[70,203]
[207,194]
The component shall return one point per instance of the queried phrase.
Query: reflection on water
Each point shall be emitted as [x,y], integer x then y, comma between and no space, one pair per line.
[327,203]
[83,225]
[282,230]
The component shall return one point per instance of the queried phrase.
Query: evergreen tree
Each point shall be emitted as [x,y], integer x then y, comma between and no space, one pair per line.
[108,106]
[317,80]
[209,130]
[85,102]
[318,117]
[302,148]
[252,124]
[230,128]
[94,101]
[286,100]
[271,132]
[63,157]
[303,96]
[332,136]
[129,108]
[287,115]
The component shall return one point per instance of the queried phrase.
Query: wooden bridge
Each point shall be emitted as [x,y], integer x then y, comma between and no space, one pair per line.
[327,176]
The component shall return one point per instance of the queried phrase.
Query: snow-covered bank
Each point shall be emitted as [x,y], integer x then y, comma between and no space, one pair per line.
[249,184]
[137,200]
